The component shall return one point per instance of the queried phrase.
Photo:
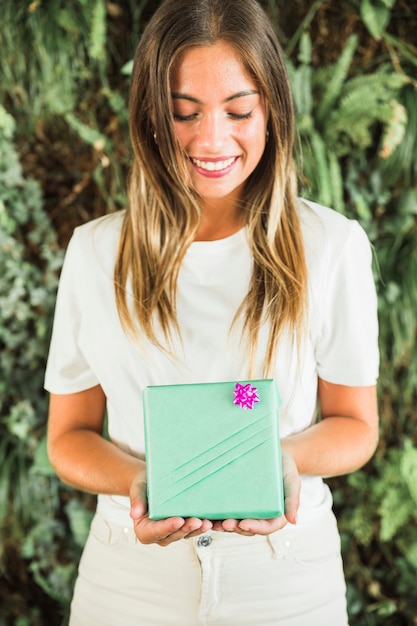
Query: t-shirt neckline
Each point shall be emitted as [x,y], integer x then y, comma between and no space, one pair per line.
[219,244]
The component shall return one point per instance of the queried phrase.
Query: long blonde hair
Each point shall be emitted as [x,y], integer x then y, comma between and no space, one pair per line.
[164,214]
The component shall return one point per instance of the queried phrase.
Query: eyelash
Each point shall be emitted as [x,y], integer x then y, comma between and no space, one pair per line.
[189,118]
[183,118]
[241,116]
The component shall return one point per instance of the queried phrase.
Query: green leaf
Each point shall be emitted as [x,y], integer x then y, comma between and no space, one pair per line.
[41,463]
[394,131]
[336,178]
[339,73]
[304,54]
[322,169]
[408,469]
[376,16]
[302,91]
[92,136]
[7,124]
[395,511]
[127,68]
[80,520]
[98,31]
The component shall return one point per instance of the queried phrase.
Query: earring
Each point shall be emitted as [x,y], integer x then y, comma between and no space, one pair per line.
[154,138]
[267,136]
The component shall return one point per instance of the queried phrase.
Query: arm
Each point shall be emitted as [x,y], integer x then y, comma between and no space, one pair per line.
[344,439]
[85,460]
[78,452]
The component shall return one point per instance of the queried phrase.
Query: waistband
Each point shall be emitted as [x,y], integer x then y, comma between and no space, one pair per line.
[298,538]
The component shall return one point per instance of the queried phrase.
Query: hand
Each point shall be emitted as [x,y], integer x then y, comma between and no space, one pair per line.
[292,485]
[165,531]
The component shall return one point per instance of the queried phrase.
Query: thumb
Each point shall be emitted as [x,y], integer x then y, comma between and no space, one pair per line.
[292,486]
[137,495]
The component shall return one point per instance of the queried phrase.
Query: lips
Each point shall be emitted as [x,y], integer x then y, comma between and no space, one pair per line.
[214,167]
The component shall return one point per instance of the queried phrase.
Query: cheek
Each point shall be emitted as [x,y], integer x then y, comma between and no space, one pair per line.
[254,140]
[183,135]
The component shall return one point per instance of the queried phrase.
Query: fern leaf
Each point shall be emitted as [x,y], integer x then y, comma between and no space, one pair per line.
[302,91]
[394,510]
[394,130]
[335,85]
[408,469]
[364,102]
[376,16]
[304,55]
[336,178]
[381,85]
[322,169]
[92,136]
[359,525]
[67,21]
[403,161]
[98,31]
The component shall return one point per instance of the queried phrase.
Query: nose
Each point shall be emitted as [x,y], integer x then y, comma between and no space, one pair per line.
[212,133]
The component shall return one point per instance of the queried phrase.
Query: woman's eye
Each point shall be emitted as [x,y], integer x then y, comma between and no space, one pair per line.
[184,118]
[240,116]
[193,116]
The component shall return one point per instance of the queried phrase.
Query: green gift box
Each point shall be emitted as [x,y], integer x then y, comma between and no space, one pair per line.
[213,450]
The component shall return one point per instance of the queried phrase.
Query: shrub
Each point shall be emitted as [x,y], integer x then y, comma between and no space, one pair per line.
[32,529]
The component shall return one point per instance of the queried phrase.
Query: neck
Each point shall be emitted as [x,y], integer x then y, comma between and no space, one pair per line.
[220,218]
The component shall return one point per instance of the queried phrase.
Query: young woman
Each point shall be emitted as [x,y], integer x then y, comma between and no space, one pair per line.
[215,272]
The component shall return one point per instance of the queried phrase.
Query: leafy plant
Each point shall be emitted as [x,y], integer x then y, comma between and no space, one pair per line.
[376,15]
[49,51]
[378,527]
[55,64]
[30,493]
[339,116]
[358,141]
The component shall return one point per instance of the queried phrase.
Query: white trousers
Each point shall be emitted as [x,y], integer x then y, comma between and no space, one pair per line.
[291,578]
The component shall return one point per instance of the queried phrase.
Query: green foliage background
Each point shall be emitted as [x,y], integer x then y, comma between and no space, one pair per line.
[64,156]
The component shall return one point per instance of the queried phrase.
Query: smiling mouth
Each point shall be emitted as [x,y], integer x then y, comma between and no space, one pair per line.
[214,166]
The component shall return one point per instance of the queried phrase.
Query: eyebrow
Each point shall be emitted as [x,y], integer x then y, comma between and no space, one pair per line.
[241,94]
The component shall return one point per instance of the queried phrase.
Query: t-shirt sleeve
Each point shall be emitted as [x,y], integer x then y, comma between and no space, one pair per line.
[346,346]
[67,369]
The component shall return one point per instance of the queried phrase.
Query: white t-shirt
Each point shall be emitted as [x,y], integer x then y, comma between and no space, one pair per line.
[88,346]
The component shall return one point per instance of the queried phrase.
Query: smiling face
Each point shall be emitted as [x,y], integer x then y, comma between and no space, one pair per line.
[220,120]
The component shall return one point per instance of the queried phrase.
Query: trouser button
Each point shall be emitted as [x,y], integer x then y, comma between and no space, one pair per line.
[204,541]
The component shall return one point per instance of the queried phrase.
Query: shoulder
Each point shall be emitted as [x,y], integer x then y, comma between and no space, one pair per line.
[104,229]
[327,234]
[97,241]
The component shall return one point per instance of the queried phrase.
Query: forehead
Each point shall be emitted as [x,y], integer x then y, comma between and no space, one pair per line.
[217,67]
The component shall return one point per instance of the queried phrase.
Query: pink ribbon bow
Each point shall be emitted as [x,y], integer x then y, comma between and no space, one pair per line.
[245,396]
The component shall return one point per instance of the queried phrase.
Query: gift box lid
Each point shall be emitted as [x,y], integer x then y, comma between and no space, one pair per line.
[213,450]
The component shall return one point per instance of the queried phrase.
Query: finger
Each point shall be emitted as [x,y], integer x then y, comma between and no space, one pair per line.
[233,526]
[192,527]
[138,496]
[138,509]
[292,486]
[164,532]
[263,526]
[205,526]
[230,525]
[150,531]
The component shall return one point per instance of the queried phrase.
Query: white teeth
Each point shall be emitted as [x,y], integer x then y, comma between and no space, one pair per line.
[211,166]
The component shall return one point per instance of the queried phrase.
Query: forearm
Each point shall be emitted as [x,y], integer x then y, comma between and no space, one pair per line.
[86,461]
[334,446]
